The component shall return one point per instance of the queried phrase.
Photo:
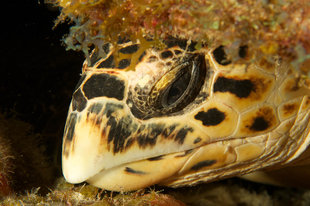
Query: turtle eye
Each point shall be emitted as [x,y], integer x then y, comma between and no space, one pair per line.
[187,80]
[177,88]
[171,93]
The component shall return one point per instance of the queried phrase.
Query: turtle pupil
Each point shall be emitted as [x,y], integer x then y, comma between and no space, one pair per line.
[178,87]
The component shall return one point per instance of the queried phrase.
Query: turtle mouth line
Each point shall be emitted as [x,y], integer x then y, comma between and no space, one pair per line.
[180,154]
[158,169]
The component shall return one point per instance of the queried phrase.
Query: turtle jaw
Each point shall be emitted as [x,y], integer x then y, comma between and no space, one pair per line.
[77,166]
[105,136]
[114,151]
[139,174]
[109,148]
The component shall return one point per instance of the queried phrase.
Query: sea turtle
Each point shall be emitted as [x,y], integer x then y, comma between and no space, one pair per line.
[183,114]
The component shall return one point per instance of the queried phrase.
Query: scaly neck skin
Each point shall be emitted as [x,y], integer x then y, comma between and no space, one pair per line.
[293,174]
[303,159]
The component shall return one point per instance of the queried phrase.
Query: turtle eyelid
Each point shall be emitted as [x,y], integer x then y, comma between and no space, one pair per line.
[178,88]
[187,85]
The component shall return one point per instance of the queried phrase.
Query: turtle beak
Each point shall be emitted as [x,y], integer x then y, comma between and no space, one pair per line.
[84,137]
[104,136]
[79,150]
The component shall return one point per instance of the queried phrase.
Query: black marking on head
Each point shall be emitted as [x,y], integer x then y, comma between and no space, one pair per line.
[134,109]
[210,118]
[112,122]
[182,43]
[152,59]
[94,58]
[129,142]
[79,101]
[169,64]
[259,124]
[119,132]
[240,88]
[197,140]
[129,49]
[290,108]
[95,108]
[155,129]
[123,63]
[160,157]
[243,51]
[192,45]
[166,54]
[168,130]
[108,63]
[80,82]
[99,85]
[202,164]
[110,108]
[220,56]
[132,171]
[176,51]
[106,48]
[180,136]
[123,40]
[70,127]
[147,135]
[141,56]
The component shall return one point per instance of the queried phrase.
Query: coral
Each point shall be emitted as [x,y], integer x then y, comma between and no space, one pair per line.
[269,27]
[229,192]
[23,164]
[5,165]
[68,194]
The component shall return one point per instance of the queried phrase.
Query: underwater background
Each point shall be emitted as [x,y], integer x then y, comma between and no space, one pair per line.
[38,78]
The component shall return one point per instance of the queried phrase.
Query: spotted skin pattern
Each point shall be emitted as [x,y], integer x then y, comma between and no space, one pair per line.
[181,117]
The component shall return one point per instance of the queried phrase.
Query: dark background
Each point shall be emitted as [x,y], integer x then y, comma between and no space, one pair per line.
[38,76]
[37,71]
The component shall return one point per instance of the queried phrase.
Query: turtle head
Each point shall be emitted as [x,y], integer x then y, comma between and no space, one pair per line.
[178,118]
